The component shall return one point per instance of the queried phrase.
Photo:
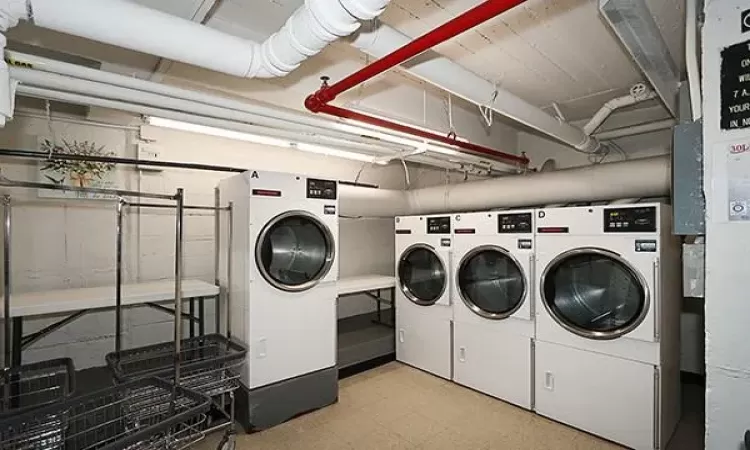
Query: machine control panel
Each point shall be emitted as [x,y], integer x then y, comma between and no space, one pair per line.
[514,223]
[630,220]
[322,189]
[439,225]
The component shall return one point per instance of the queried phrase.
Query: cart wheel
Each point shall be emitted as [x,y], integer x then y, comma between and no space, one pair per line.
[228,442]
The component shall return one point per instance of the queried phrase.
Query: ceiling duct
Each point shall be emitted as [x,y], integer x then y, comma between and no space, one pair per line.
[634,24]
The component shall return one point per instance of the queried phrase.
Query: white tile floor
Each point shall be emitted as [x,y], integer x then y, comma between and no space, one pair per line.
[398,407]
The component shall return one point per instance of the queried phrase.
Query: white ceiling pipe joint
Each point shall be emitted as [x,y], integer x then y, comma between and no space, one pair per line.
[310,29]
[638,93]
[365,9]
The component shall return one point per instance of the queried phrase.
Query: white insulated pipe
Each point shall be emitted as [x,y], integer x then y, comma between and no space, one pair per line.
[261,114]
[100,90]
[638,93]
[636,178]
[129,25]
[449,76]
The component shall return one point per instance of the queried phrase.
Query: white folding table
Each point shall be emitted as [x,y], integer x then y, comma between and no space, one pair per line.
[78,302]
[371,286]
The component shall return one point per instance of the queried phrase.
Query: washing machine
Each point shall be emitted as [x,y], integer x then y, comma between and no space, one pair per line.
[282,289]
[424,312]
[493,311]
[608,321]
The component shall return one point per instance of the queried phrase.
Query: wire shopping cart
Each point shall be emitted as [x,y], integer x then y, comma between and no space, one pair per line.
[29,386]
[209,365]
[148,414]
[35,385]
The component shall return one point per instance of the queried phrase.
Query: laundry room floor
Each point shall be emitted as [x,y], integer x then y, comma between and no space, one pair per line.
[397,407]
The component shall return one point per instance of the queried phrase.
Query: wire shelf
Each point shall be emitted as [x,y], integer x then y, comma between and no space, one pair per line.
[208,364]
[35,385]
[148,414]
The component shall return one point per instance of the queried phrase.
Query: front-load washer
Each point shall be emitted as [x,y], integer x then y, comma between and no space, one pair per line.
[424,312]
[493,311]
[608,321]
[283,290]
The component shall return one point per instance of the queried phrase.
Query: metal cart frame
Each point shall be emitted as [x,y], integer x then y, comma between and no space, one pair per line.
[165,410]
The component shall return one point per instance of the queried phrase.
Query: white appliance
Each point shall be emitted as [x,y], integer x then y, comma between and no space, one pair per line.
[423,296]
[493,312]
[284,273]
[608,321]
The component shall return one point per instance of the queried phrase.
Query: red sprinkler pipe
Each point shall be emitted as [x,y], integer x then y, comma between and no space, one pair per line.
[319,101]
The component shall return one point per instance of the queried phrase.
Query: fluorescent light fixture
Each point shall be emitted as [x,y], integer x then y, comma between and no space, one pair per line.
[219,132]
[256,139]
[443,150]
[321,150]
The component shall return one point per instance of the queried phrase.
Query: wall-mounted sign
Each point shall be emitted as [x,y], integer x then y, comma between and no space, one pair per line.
[745,17]
[735,87]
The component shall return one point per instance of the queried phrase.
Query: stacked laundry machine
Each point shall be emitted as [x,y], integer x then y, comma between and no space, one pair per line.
[572,312]
[608,321]
[424,312]
[283,241]
[493,311]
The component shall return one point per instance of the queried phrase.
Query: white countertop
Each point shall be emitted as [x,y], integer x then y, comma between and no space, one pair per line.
[71,300]
[365,283]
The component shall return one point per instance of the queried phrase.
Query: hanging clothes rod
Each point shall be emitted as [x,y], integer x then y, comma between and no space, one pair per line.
[89,190]
[193,207]
[30,154]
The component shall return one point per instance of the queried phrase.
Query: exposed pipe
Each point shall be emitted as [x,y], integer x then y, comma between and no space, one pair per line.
[88,100]
[636,130]
[253,112]
[127,24]
[99,90]
[691,58]
[447,75]
[638,93]
[636,178]
[318,102]
[383,123]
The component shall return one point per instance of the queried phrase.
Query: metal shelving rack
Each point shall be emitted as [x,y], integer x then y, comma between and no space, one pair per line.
[149,413]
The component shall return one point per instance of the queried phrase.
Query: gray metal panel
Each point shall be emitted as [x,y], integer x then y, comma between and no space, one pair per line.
[693,270]
[689,202]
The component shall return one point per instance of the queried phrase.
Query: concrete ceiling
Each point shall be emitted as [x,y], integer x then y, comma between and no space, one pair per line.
[546,51]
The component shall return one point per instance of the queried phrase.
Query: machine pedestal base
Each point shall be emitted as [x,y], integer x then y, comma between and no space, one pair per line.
[268,406]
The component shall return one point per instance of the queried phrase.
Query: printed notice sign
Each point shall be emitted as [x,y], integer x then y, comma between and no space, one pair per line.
[735,87]
[738,174]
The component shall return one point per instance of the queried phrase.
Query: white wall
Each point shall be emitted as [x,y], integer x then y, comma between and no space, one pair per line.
[72,244]
[727,247]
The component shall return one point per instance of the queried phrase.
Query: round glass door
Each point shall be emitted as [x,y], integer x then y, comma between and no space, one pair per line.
[294,251]
[594,293]
[421,275]
[491,282]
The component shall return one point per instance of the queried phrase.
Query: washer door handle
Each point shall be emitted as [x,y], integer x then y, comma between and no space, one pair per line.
[462,354]
[401,335]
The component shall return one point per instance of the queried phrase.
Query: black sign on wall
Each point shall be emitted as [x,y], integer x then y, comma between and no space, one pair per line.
[735,87]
